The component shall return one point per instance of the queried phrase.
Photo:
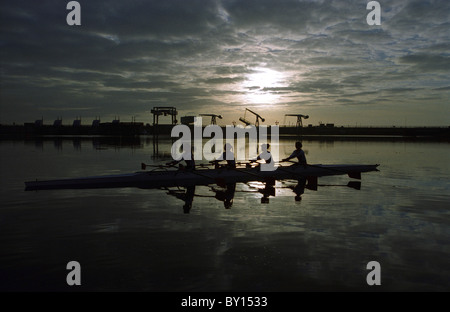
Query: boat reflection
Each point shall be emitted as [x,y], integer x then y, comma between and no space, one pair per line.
[182,182]
[299,188]
[187,194]
[226,193]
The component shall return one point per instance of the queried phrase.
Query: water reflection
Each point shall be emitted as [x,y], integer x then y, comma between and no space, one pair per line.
[222,190]
[97,142]
[131,237]
[226,193]
[186,195]
[299,188]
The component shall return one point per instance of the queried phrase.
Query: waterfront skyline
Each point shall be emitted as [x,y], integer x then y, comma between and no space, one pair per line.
[318,58]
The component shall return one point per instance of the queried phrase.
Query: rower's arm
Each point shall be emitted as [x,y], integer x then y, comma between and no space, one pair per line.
[290,157]
[255,159]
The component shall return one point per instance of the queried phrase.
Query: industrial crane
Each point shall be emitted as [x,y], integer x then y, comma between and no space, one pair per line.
[299,119]
[246,122]
[213,117]
[158,111]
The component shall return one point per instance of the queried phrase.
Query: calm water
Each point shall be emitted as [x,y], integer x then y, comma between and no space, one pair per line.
[140,240]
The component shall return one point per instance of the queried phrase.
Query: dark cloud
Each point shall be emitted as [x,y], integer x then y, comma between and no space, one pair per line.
[427,62]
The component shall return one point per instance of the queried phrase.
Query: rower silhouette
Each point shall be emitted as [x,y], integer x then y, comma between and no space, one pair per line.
[299,153]
[187,156]
[227,155]
[265,155]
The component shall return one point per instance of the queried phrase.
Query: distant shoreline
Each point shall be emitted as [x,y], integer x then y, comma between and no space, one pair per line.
[30,130]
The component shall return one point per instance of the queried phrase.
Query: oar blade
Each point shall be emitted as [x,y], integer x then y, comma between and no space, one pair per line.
[354,184]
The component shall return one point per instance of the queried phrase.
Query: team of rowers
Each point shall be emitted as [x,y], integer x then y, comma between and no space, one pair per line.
[228,156]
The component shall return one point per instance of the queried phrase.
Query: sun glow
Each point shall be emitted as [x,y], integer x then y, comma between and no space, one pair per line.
[260,86]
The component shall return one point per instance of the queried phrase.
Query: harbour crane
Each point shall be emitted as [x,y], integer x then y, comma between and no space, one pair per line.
[158,111]
[247,123]
[299,119]
[162,110]
[213,117]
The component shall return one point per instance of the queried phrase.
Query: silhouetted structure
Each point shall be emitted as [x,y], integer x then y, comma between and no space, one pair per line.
[213,118]
[158,111]
[248,123]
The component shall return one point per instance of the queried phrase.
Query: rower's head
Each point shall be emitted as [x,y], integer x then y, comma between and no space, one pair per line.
[298,145]
[265,147]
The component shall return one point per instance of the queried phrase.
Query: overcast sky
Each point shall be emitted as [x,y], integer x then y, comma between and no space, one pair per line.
[276,57]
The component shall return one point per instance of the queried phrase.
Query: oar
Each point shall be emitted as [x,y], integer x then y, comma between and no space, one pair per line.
[354,175]
[352,184]
[144,166]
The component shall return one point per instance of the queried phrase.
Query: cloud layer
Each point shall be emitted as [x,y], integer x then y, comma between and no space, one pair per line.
[209,56]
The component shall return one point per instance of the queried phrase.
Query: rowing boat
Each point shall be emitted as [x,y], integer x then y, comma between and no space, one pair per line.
[205,176]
